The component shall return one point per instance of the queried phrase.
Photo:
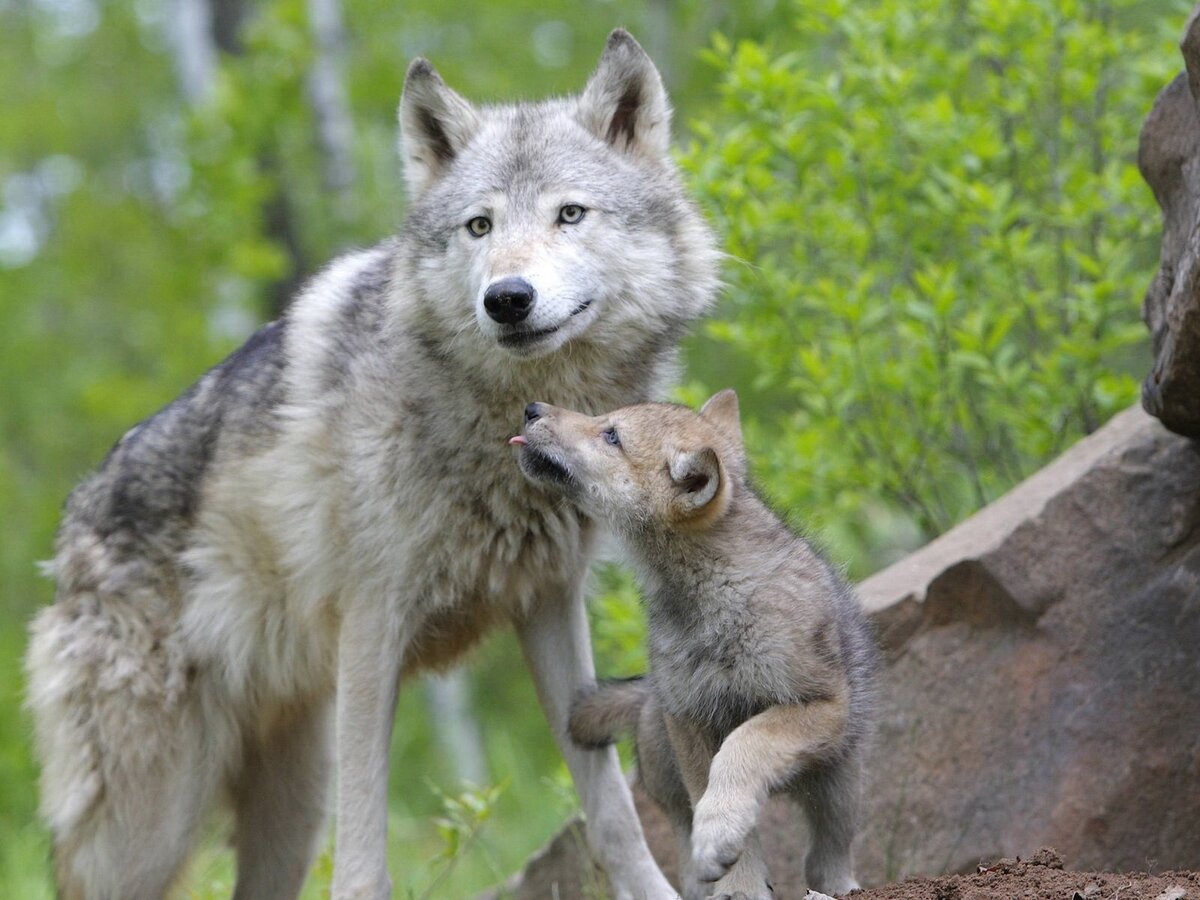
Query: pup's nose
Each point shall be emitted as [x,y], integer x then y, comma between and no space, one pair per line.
[509,300]
[533,412]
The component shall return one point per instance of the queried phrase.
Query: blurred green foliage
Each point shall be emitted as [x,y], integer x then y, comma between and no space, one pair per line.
[939,244]
[937,236]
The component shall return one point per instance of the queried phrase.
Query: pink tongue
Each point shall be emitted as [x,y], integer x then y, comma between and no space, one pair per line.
[518,440]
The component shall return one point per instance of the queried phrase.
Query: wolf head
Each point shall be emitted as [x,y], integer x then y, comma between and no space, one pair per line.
[651,465]
[538,225]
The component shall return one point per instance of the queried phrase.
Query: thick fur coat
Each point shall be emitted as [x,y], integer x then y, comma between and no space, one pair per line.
[246,577]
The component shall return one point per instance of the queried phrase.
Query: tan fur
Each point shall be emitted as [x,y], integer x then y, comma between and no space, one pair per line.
[760,656]
[639,482]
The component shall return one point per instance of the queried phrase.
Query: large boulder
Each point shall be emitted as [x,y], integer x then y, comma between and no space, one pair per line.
[1041,686]
[1169,159]
[1043,676]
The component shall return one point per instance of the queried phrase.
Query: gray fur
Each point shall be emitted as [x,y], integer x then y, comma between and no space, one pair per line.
[599,715]
[743,618]
[761,660]
[334,505]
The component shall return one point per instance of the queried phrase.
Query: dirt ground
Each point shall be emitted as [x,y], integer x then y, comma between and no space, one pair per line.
[1042,877]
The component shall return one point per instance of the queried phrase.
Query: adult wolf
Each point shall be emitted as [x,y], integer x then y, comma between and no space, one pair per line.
[334,506]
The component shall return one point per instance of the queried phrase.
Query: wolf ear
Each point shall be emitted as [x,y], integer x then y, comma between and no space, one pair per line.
[435,124]
[625,102]
[697,477]
[722,410]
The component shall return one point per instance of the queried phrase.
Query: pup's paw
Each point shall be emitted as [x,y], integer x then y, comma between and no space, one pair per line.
[718,837]
[715,850]
[714,866]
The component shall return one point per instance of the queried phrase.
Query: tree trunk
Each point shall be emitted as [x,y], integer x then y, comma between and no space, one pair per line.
[455,725]
[330,102]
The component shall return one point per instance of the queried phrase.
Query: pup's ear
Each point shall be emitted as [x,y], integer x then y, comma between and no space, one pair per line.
[698,478]
[625,102]
[435,124]
[722,410]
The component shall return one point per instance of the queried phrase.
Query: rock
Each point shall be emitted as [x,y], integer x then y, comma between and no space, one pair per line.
[1043,679]
[1041,687]
[561,869]
[1169,160]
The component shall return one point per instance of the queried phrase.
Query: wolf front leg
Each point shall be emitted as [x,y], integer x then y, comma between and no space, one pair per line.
[371,648]
[557,647]
[761,755]
[747,878]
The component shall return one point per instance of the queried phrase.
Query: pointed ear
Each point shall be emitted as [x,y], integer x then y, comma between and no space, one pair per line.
[625,102]
[722,410]
[435,124]
[697,478]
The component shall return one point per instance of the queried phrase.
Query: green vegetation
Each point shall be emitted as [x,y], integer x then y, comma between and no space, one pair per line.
[938,244]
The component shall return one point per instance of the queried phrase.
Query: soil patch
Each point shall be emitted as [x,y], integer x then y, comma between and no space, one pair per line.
[1041,877]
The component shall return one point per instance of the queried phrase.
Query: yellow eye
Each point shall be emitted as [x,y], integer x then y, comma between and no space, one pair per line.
[479,226]
[571,214]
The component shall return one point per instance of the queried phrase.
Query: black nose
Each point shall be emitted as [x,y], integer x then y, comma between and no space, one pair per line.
[509,300]
[533,412]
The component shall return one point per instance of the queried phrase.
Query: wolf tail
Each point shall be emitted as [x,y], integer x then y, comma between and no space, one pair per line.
[607,711]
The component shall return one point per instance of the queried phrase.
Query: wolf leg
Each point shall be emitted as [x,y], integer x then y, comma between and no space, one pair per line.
[830,796]
[128,766]
[129,763]
[661,778]
[763,754]
[280,806]
[371,647]
[557,648]
[746,879]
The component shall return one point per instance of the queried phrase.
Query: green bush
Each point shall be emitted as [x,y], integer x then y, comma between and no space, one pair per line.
[939,242]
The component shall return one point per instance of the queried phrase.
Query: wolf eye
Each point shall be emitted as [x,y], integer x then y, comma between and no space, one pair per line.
[479,226]
[610,435]
[571,214]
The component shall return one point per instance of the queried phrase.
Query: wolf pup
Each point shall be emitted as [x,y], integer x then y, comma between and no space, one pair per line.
[332,507]
[761,661]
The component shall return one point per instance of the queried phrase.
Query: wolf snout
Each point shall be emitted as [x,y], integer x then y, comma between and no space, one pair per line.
[533,412]
[509,300]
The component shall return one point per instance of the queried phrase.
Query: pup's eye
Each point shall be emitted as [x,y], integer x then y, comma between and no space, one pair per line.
[571,214]
[610,435]
[479,226]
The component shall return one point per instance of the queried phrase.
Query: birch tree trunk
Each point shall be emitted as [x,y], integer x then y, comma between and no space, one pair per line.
[455,725]
[190,31]
[330,100]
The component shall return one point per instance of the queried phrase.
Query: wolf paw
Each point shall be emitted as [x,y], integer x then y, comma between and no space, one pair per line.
[714,852]
[715,866]
[717,841]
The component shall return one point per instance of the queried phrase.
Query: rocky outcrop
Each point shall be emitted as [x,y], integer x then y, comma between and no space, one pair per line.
[1169,159]
[1042,683]
[1043,677]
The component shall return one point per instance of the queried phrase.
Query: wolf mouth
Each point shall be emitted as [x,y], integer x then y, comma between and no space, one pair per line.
[525,337]
[538,464]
